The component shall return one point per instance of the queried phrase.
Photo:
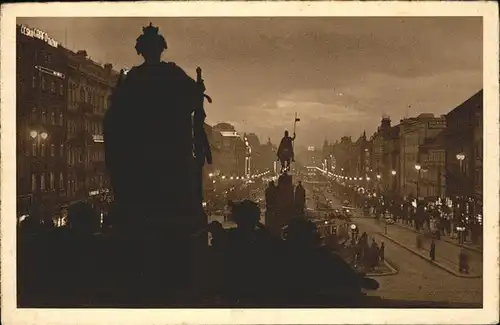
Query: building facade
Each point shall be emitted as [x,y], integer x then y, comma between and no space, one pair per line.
[464,148]
[392,157]
[61,100]
[413,133]
[89,86]
[232,149]
[433,173]
[345,158]
[41,74]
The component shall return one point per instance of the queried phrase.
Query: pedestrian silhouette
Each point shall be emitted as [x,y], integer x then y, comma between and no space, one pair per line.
[148,138]
[432,250]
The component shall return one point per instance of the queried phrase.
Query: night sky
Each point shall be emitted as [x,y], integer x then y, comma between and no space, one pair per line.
[340,74]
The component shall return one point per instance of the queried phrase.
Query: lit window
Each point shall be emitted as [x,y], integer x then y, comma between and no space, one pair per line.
[42,181]
[61,89]
[33,150]
[52,186]
[33,82]
[61,119]
[61,181]
[52,150]
[61,150]
[53,118]
[42,150]
[33,115]
[33,182]
[44,83]
[44,117]
[53,87]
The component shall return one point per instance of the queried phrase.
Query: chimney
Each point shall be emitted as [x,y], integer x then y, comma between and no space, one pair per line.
[108,68]
[82,54]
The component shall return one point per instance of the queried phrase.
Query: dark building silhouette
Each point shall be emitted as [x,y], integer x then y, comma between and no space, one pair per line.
[464,148]
[41,120]
[61,100]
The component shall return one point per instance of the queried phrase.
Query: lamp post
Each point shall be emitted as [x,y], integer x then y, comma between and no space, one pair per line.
[38,137]
[460,157]
[418,167]
[353,231]
[378,182]
[393,173]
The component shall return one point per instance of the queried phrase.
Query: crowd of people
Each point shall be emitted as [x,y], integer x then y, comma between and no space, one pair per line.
[458,221]
[368,256]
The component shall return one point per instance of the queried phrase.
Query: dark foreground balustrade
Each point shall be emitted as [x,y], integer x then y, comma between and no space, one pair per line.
[61,268]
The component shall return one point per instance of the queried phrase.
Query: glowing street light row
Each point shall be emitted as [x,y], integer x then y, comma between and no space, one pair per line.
[238,177]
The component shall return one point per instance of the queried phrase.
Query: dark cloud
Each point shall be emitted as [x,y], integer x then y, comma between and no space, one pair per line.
[340,74]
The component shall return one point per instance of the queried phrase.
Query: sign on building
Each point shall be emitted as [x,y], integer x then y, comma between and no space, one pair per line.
[40,34]
[437,124]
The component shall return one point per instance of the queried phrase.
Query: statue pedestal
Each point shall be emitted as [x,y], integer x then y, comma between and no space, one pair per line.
[285,207]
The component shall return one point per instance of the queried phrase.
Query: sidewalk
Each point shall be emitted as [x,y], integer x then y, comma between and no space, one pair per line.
[446,253]
[466,245]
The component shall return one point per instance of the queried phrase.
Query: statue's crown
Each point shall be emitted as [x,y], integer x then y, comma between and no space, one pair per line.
[150,30]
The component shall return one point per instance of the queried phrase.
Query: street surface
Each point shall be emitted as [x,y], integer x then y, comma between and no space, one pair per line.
[417,279]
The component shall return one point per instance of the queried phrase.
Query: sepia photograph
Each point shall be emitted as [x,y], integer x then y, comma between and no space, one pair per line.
[276,161]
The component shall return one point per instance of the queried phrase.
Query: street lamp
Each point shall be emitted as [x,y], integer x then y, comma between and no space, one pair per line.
[418,167]
[38,136]
[353,231]
[393,172]
[460,158]
[210,175]
[379,176]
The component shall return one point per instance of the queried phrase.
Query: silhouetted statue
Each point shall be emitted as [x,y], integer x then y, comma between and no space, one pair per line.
[285,152]
[148,133]
[300,199]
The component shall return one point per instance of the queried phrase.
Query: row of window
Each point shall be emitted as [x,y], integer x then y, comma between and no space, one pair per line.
[90,127]
[44,117]
[88,95]
[46,181]
[45,150]
[46,83]
[94,155]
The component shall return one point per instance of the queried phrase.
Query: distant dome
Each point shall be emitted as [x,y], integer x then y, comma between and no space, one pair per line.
[224,127]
